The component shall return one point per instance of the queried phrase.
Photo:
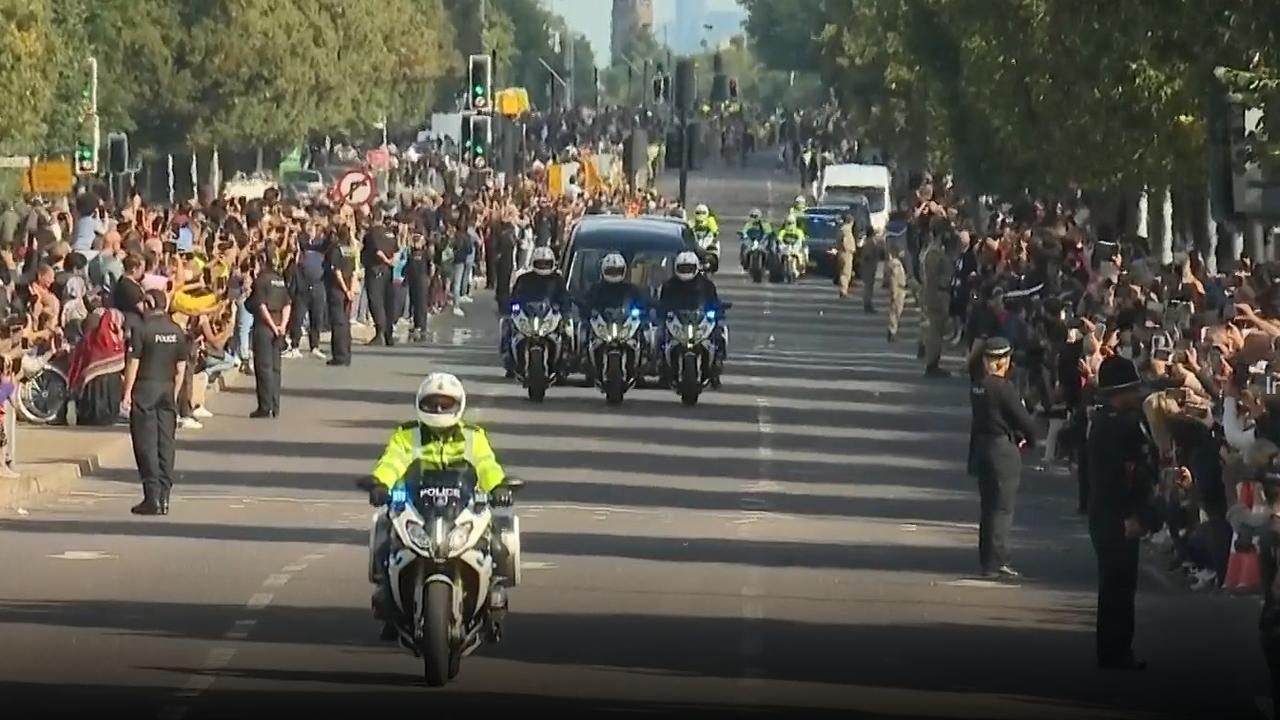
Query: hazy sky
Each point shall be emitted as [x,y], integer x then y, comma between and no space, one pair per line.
[591,18]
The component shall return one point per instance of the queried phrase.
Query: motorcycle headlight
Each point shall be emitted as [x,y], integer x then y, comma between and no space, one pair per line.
[418,536]
[459,535]
[522,324]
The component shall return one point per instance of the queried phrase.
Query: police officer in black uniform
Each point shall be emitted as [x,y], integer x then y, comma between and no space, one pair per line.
[1001,424]
[271,306]
[380,249]
[157,360]
[339,288]
[1122,472]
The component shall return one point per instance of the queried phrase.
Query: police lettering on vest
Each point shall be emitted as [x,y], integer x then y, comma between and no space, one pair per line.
[158,346]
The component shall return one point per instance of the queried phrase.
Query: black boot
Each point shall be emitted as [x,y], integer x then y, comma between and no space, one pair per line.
[150,505]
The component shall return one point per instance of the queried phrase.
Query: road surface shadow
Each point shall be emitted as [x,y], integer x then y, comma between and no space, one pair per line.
[1050,665]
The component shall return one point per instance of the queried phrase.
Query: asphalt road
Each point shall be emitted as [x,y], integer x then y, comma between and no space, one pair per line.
[804,538]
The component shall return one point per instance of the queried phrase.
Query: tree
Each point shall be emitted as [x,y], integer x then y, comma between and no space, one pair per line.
[785,32]
[28,40]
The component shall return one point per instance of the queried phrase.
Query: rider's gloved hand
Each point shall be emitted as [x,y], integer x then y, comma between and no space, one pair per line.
[379,494]
[502,496]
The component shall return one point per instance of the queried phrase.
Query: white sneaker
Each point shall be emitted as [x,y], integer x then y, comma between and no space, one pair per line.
[458,311]
[293,353]
[318,354]
[188,423]
[466,299]
[1204,580]
[201,412]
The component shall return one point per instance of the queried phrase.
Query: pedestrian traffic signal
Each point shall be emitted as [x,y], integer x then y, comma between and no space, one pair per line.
[118,153]
[481,139]
[733,88]
[659,86]
[480,83]
[86,163]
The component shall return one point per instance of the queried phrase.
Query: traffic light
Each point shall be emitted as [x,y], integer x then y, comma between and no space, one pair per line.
[659,83]
[118,153]
[733,88]
[480,83]
[481,140]
[86,163]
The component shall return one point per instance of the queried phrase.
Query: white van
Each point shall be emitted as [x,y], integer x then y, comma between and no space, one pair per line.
[840,183]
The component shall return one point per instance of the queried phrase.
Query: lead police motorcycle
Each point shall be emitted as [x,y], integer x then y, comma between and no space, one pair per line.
[538,346]
[693,351]
[453,552]
[617,349]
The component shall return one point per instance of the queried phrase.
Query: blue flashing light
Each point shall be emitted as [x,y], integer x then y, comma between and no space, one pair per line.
[399,495]
[515,307]
[635,312]
[711,314]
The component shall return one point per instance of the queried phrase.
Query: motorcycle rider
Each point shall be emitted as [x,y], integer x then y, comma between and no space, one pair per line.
[704,225]
[799,207]
[790,240]
[690,289]
[542,282]
[437,439]
[756,227]
[613,290]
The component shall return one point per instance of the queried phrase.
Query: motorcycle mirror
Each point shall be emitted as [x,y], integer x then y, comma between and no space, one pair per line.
[513,483]
[726,305]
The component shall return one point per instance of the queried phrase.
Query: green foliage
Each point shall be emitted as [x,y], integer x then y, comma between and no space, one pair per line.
[1028,93]
[28,40]
[786,32]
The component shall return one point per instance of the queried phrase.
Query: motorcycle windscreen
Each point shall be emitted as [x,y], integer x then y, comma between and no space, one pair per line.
[441,493]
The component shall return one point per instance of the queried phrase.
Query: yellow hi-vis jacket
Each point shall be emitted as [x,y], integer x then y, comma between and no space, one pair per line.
[465,442]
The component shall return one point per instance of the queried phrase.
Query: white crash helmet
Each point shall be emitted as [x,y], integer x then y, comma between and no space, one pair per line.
[701,211]
[687,265]
[613,268]
[800,201]
[543,260]
[441,401]
[755,214]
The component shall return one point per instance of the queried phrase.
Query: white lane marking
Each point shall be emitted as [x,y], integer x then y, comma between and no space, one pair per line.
[908,527]
[259,601]
[987,584]
[537,565]
[83,555]
[220,657]
[276,580]
[241,629]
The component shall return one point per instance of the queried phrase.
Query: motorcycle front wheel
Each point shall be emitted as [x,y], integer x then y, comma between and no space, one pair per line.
[536,374]
[613,380]
[437,656]
[690,382]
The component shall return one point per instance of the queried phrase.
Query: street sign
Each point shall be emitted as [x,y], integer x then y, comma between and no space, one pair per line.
[49,177]
[15,161]
[356,188]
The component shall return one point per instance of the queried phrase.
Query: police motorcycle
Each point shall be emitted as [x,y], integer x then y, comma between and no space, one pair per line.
[617,349]
[453,552]
[691,353]
[538,345]
[755,251]
[708,241]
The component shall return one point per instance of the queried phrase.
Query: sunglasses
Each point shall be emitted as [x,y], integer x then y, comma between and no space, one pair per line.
[438,404]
